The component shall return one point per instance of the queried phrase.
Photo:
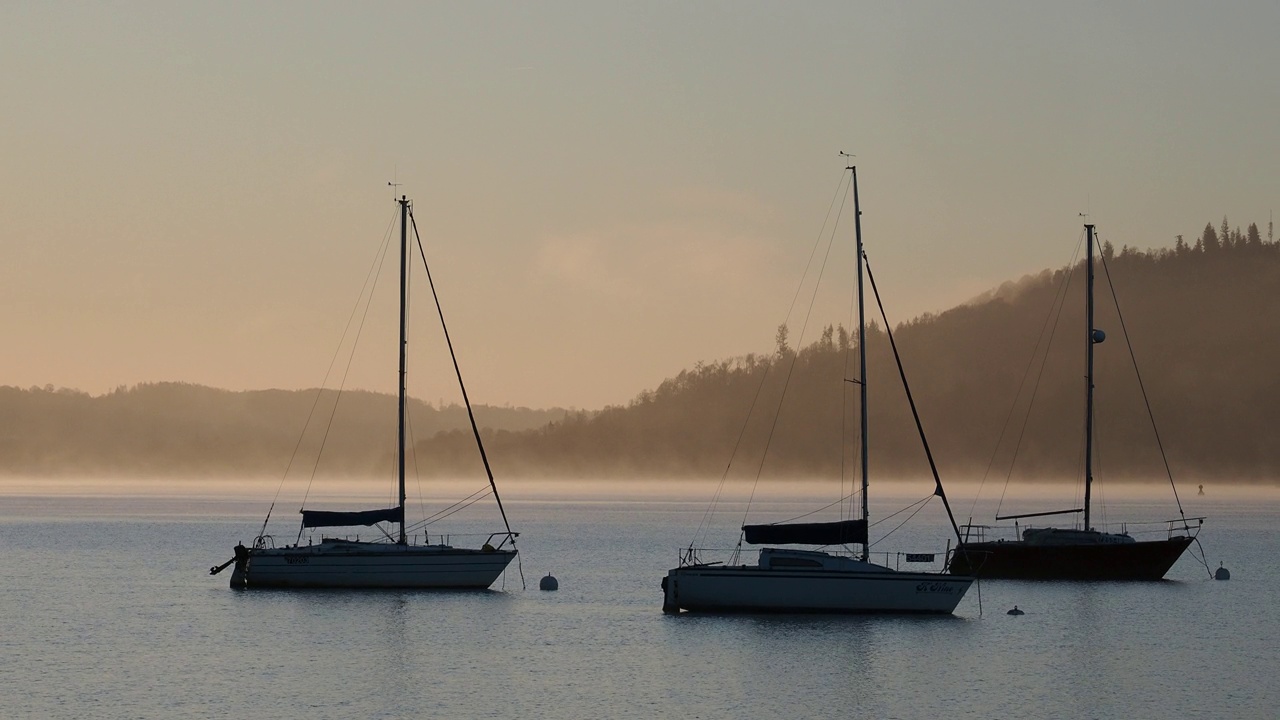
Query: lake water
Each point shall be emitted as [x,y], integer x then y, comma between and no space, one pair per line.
[109,612]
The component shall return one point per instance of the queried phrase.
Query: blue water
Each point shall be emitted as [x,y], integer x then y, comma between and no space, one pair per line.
[109,612]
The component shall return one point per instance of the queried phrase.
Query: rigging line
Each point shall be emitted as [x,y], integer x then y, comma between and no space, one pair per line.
[704,525]
[844,434]
[461,386]
[520,568]
[898,512]
[457,508]
[1083,467]
[919,505]
[1060,301]
[705,522]
[1078,498]
[847,401]
[412,438]
[1098,485]
[890,516]
[855,490]
[1140,523]
[715,497]
[1203,560]
[413,454]
[384,532]
[1059,305]
[482,492]
[842,195]
[1141,386]
[320,390]
[812,512]
[1058,297]
[375,271]
[937,489]
[442,514]
[795,355]
[333,412]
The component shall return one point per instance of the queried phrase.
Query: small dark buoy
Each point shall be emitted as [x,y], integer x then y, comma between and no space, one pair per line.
[1016,611]
[548,583]
[1221,573]
[1201,490]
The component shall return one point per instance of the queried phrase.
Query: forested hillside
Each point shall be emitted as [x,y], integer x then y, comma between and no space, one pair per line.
[171,429]
[1203,319]
[1204,323]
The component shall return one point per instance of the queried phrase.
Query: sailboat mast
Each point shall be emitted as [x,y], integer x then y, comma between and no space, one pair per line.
[862,353]
[404,294]
[1088,403]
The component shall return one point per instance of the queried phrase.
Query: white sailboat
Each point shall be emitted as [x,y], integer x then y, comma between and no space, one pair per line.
[395,562]
[818,580]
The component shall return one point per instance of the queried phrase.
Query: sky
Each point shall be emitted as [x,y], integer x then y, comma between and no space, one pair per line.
[608,193]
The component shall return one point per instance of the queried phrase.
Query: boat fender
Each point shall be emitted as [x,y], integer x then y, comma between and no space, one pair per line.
[669,604]
[549,583]
[1221,573]
[1016,611]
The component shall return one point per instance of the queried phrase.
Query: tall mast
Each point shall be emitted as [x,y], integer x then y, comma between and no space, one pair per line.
[404,295]
[1091,338]
[862,353]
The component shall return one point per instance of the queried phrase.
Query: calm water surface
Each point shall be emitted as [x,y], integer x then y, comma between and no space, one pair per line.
[109,612]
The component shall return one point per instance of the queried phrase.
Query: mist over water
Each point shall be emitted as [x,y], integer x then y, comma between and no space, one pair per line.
[110,612]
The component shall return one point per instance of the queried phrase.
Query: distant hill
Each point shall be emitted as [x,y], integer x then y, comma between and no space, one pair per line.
[1204,322]
[175,429]
[1203,318]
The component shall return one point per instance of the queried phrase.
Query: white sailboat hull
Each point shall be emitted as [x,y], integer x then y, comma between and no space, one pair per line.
[749,588]
[342,564]
[790,580]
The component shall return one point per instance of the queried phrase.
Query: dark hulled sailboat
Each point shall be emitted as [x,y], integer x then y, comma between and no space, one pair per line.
[1082,553]
[397,561]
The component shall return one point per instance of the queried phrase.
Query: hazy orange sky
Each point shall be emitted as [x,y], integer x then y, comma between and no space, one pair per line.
[610,192]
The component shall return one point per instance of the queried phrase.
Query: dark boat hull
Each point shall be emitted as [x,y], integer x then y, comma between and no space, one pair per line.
[340,564]
[1148,560]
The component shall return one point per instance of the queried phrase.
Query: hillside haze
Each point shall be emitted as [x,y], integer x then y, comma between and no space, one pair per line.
[1204,326]
[178,429]
[999,382]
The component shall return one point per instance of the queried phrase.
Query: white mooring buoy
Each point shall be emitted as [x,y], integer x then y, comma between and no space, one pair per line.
[548,583]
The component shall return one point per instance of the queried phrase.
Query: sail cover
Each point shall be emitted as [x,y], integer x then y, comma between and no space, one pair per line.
[324,518]
[828,533]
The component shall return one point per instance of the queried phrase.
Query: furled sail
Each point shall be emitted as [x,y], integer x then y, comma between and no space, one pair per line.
[828,533]
[325,518]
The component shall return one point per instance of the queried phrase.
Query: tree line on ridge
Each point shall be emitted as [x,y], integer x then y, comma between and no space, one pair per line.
[1202,319]
[1201,316]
